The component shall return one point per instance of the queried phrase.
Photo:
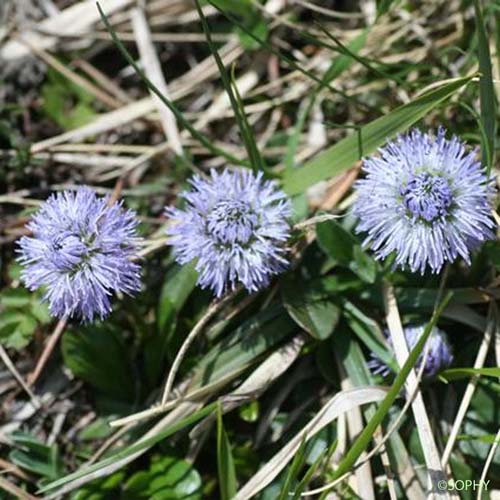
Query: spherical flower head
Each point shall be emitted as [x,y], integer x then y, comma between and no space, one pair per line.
[234,225]
[439,356]
[426,199]
[80,253]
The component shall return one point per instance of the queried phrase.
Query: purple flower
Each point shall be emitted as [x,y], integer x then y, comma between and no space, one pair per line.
[234,226]
[438,358]
[426,199]
[80,253]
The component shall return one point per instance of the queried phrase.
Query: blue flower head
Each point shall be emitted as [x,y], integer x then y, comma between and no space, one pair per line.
[426,199]
[80,253]
[234,225]
[439,356]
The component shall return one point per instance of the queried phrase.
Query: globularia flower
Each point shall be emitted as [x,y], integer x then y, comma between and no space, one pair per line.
[439,356]
[234,226]
[80,253]
[426,199]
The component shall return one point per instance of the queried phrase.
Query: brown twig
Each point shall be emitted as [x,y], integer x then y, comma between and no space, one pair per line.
[47,351]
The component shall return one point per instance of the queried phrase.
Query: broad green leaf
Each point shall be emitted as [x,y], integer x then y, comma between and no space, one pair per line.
[311,307]
[57,92]
[343,248]
[225,462]
[240,7]
[104,489]
[335,241]
[167,477]
[345,153]
[178,285]
[98,355]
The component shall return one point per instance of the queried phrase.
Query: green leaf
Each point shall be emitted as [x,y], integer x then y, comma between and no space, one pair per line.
[178,285]
[335,241]
[170,105]
[486,89]
[34,456]
[363,440]
[179,282]
[345,250]
[293,471]
[384,5]
[241,348]
[311,307]
[17,328]
[225,462]
[15,297]
[254,155]
[132,449]
[97,354]
[259,29]
[108,488]
[345,153]
[250,412]
[459,373]
[57,92]
[367,330]
[241,7]
[168,477]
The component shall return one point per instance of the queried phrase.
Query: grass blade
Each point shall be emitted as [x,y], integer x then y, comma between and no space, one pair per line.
[338,66]
[344,154]
[293,471]
[225,462]
[340,403]
[486,90]
[254,156]
[290,62]
[177,113]
[460,373]
[131,450]
[365,437]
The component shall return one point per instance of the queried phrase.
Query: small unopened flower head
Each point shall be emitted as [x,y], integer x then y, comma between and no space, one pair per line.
[80,253]
[439,356]
[426,199]
[234,226]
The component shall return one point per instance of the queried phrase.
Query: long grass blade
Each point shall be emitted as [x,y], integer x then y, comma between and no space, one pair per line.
[256,160]
[365,437]
[175,110]
[344,154]
[486,90]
